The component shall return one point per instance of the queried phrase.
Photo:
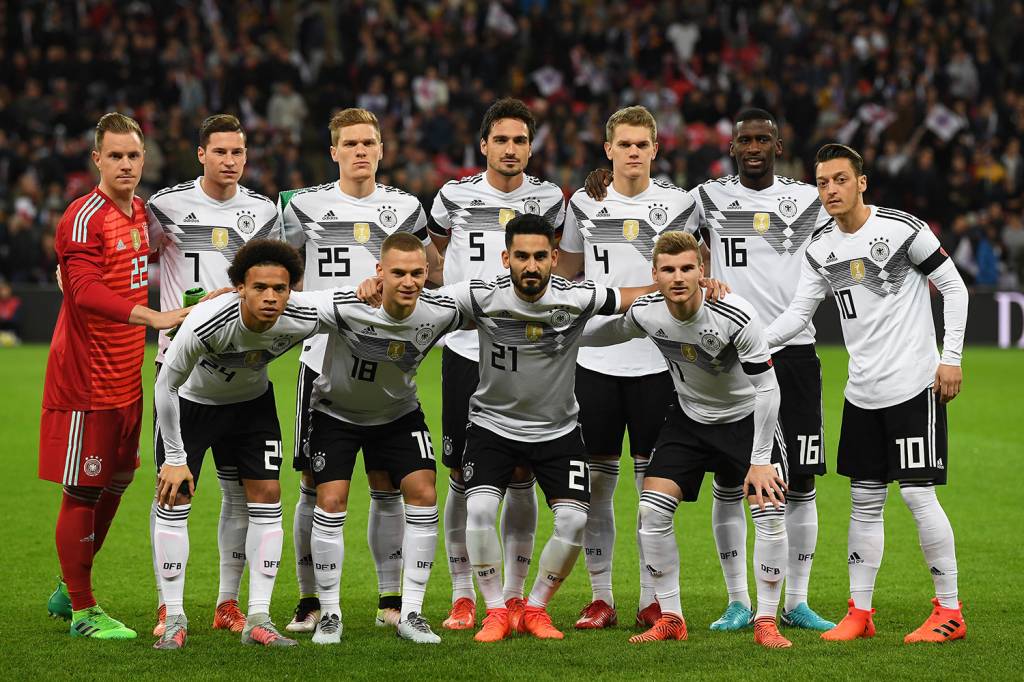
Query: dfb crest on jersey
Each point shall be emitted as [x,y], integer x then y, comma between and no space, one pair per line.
[246,222]
[710,342]
[857,269]
[531,206]
[219,237]
[447,445]
[689,352]
[467,471]
[136,238]
[762,221]
[387,217]
[534,331]
[560,318]
[879,250]
[787,207]
[396,349]
[92,466]
[361,232]
[423,335]
[658,215]
[319,462]
[505,215]
[253,359]
[281,343]
[630,229]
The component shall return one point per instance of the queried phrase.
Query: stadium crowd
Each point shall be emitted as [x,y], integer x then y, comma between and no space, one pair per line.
[931,92]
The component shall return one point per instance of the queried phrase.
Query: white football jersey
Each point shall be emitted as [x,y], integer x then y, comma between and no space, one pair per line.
[757,239]
[616,237]
[472,214]
[709,355]
[528,352]
[214,359]
[879,278]
[341,236]
[369,371]
[197,237]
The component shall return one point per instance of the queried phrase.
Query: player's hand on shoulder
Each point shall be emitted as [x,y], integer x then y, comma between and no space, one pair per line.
[947,382]
[370,291]
[714,289]
[169,479]
[597,183]
[769,488]
[217,292]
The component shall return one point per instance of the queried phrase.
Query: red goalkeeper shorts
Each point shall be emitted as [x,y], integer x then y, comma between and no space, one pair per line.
[88,448]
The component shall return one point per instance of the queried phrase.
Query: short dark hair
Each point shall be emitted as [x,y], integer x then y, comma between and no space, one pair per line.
[508,107]
[834,150]
[528,223]
[754,114]
[401,241]
[218,123]
[266,252]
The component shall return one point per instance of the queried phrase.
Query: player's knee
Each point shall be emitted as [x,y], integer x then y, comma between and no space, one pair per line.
[801,484]
[867,503]
[918,496]
[770,527]
[420,493]
[481,511]
[262,492]
[654,521]
[83,494]
[570,521]
[332,501]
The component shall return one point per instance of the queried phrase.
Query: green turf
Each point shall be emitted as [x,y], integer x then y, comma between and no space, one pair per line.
[986,461]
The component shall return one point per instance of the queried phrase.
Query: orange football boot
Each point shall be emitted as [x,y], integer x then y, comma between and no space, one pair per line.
[855,624]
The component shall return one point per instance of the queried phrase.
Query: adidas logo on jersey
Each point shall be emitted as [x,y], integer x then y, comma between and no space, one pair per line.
[733,205]
[190,218]
[369,331]
[329,216]
[603,213]
[476,202]
[660,333]
[120,245]
[831,258]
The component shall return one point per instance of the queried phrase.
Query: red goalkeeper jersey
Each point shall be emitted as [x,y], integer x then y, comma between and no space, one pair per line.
[96,356]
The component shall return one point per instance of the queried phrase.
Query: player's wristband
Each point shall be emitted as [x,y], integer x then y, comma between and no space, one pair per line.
[192,296]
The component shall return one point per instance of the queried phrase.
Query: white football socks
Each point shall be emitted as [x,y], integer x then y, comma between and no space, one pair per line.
[866,539]
[518,530]
[384,531]
[646,581]
[302,528]
[936,537]
[263,543]
[152,544]
[482,543]
[770,557]
[658,539]
[170,541]
[561,551]
[802,533]
[729,525]
[231,528]
[417,556]
[455,542]
[327,542]
[599,537]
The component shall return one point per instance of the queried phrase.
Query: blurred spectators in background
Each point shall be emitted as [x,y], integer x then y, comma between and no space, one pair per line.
[932,93]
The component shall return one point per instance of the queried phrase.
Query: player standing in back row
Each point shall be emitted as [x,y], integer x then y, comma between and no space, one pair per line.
[877,262]
[467,224]
[92,398]
[340,227]
[627,385]
[197,227]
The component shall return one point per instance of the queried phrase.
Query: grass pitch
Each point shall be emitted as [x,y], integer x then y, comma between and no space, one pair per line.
[985,462]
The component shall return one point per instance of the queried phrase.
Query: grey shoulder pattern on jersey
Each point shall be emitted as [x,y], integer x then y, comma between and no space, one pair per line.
[617,231]
[370,344]
[684,354]
[882,277]
[781,237]
[210,238]
[256,195]
[180,187]
[335,232]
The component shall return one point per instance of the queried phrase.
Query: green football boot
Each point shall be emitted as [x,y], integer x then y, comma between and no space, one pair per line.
[804,617]
[736,617]
[93,622]
[59,604]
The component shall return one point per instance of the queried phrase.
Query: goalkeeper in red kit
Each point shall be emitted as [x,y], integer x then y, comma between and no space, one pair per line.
[92,398]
